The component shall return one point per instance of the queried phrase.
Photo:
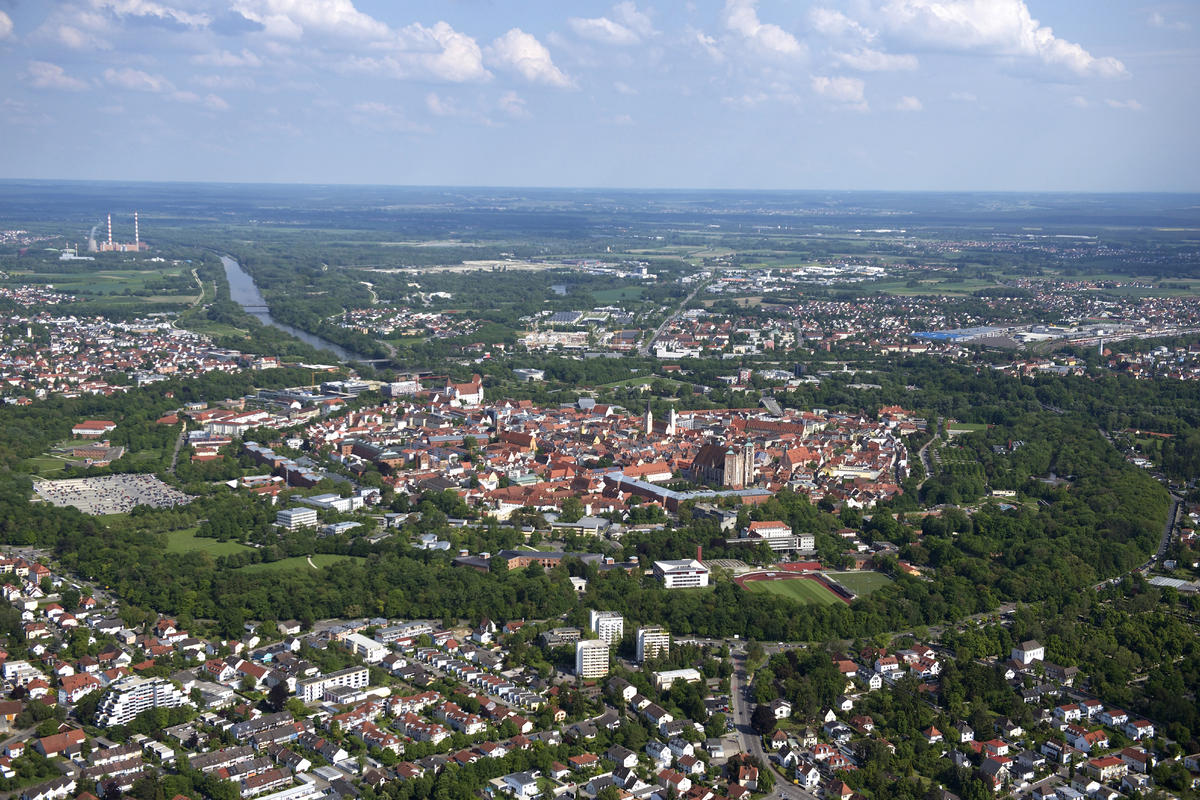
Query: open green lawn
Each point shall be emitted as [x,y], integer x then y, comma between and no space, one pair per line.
[861,583]
[185,541]
[802,590]
[112,281]
[966,427]
[648,379]
[45,465]
[298,563]
[618,294]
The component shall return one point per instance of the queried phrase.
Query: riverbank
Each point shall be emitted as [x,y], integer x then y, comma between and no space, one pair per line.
[244,291]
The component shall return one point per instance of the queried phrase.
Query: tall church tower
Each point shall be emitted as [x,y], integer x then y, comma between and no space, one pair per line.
[648,420]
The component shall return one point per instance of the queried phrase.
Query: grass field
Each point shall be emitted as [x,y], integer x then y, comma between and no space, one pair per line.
[861,583]
[298,563]
[965,427]
[45,465]
[186,541]
[802,590]
[618,294]
[648,379]
[111,281]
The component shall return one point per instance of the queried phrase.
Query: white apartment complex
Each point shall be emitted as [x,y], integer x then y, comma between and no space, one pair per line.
[608,625]
[131,695]
[652,643]
[591,658]
[365,647]
[312,689]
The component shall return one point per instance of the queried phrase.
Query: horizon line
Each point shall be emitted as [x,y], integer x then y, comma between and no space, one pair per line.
[580,188]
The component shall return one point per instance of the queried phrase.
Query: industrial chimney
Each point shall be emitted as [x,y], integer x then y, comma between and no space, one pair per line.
[137,238]
[110,244]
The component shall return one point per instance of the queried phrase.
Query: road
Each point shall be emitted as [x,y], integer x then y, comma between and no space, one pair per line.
[740,708]
[923,453]
[178,447]
[644,350]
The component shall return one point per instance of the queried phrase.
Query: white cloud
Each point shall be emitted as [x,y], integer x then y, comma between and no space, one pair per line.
[841,89]
[603,30]
[865,59]
[512,104]
[523,53]
[998,27]
[383,117]
[624,88]
[136,80]
[6,25]
[237,82]
[439,106]
[830,22]
[622,119]
[444,53]
[964,97]
[44,75]
[224,58]
[1131,105]
[630,26]
[909,103]
[741,18]
[291,19]
[149,8]
[706,43]
[1157,20]
[215,103]
[76,38]
[438,52]
[1079,101]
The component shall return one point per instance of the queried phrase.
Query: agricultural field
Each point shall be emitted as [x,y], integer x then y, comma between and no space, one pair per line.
[802,590]
[861,583]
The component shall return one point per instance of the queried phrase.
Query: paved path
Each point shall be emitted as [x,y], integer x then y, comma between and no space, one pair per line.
[178,447]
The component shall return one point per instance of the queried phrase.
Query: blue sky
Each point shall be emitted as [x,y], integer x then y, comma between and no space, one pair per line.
[829,94]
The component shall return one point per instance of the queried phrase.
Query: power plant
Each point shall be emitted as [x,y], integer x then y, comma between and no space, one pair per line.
[109,246]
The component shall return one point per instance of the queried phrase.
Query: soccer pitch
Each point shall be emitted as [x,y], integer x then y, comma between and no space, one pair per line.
[802,590]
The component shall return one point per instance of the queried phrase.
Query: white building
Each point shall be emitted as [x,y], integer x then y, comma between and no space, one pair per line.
[652,643]
[684,573]
[312,689]
[365,647]
[664,679]
[608,625]
[333,502]
[1027,652]
[131,695]
[591,658]
[293,519]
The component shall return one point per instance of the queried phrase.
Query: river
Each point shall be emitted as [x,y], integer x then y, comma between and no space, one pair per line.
[244,292]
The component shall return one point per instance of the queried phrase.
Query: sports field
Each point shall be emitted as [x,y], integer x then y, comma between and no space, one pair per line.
[861,583]
[802,590]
